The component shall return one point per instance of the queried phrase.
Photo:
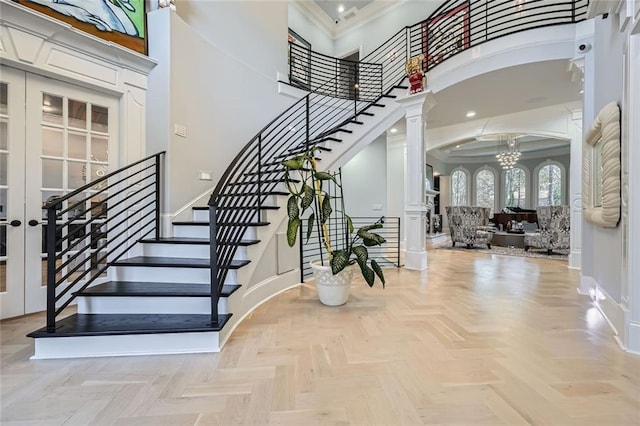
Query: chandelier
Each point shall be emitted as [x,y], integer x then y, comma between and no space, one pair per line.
[509,154]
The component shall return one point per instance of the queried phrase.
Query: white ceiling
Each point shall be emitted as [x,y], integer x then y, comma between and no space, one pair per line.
[512,89]
[330,7]
[508,90]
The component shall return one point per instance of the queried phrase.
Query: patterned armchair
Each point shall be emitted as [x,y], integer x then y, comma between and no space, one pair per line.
[468,225]
[553,229]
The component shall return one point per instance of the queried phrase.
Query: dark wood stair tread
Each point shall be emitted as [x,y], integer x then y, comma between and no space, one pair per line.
[121,324]
[223,223]
[247,194]
[238,243]
[176,240]
[175,262]
[327,139]
[238,208]
[263,181]
[152,289]
[300,150]
[188,240]
[244,223]
[339,130]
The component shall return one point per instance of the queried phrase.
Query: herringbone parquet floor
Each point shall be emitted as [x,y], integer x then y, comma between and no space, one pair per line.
[475,339]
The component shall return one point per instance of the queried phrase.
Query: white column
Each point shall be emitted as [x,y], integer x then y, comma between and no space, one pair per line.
[584,69]
[575,189]
[631,186]
[415,205]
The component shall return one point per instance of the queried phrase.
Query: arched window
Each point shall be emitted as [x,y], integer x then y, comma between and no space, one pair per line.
[486,189]
[550,185]
[459,188]
[516,187]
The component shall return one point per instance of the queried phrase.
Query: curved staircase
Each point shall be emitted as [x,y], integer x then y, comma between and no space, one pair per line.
[188,292]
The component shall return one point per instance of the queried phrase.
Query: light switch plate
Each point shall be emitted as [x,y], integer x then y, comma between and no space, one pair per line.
[180,130]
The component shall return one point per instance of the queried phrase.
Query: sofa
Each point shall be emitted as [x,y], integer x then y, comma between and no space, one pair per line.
[554,230]
[468,225]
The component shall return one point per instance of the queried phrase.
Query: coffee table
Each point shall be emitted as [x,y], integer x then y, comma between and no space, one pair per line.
[507,239]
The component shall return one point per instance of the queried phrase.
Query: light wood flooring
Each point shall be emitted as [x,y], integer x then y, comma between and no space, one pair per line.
[475,339]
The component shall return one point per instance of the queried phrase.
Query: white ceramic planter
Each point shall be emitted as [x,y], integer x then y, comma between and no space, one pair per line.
[333,290]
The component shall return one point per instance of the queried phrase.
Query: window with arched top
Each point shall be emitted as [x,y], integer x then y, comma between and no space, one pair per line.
[459,185]
[486,189]
[515,187]
[549,185]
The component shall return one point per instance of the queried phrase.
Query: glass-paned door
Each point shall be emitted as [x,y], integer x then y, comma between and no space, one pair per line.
[71,131]
[65,139]
[12,172]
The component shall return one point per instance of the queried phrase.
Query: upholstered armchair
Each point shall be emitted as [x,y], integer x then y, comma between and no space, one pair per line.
[468,225]
[554,230]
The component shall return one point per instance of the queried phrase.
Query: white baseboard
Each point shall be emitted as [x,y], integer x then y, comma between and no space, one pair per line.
[625,333]
[575,259]
[587,285]
[633,338]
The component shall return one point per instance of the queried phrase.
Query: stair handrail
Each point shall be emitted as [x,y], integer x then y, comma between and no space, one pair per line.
[78,226]
[253,174]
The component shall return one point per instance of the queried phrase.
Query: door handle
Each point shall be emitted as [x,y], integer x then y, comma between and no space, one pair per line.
[33,222]
[15,222]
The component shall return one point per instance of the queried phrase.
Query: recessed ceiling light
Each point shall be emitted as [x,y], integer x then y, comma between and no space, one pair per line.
[393,130]
[457,146]
[340,8]
[471,114]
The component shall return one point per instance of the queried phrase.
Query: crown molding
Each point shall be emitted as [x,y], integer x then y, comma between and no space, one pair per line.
[365,15]
[316,15]
[334,30]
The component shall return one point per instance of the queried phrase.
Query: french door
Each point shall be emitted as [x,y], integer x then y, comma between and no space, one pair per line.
[54,138]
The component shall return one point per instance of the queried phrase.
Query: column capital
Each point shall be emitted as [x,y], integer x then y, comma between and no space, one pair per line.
[417,103]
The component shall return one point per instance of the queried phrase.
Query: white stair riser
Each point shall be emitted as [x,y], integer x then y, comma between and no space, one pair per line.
[186,251]
[200,215]
[167,275]
[190,231]
[203,215]
[130,344]
[149,305]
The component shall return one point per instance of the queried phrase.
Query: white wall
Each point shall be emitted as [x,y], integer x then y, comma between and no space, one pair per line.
[364,181]
[375,32]
[223,89]
[396,159]
[321,42]
[602,248]
[253,33]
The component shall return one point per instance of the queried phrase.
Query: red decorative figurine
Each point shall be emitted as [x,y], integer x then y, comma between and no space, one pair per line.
[413,67]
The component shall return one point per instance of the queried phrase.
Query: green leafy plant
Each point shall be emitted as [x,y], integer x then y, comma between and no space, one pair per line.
[308,188]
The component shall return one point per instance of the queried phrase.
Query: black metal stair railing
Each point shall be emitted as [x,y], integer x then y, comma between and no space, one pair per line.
[386,254]
[88,229]
[341,90]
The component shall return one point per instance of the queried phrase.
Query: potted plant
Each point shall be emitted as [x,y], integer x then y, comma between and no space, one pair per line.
[310,194]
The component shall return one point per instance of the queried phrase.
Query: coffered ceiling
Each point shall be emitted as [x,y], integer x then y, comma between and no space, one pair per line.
[509,90]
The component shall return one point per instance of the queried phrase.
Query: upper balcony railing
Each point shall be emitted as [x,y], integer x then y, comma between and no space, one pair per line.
[340,90]
[454,27]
